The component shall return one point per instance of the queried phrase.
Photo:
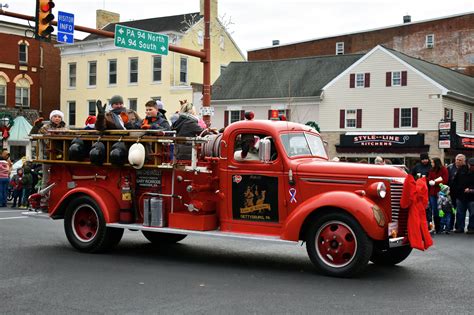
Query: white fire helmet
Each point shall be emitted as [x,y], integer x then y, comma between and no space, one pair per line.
[136,155]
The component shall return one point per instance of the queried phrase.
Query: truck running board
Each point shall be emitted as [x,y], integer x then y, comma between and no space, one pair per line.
[214,233]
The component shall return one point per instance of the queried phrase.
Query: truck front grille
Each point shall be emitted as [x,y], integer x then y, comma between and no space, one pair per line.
[398,215]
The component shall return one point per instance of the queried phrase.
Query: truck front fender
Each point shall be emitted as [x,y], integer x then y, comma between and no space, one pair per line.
[358,206]
[104,199]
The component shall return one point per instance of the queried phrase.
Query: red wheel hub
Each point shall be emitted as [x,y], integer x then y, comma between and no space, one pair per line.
[85,223]
[336,244]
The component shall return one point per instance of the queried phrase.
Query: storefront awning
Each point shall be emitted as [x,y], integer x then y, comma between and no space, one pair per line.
[382,142]
[19,132]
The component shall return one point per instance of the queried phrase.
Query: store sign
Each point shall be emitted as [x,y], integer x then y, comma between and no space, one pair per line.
[466,143]
[378,140]
[446,134]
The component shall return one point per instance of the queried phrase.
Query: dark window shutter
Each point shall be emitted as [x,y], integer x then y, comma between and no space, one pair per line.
[242,115]
[342,118]
[396,118]
[452,113]
[359,118]
[287,113]
[388,79]
[470,121]
[269,113]
[367,80]
[404,78]
[226,118]
[465,122]
[352,80]
[414,117]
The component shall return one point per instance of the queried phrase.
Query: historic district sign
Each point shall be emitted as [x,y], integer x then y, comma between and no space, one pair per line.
[133,38]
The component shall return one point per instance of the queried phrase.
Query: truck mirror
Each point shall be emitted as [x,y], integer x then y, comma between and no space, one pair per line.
[264,150]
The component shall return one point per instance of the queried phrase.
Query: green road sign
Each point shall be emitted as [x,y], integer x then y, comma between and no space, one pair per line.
[133,38]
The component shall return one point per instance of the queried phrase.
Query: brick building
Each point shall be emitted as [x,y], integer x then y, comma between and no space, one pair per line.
[446,41]
[29,72]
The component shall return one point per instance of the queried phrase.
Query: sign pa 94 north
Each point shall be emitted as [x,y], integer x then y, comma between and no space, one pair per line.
[136,39]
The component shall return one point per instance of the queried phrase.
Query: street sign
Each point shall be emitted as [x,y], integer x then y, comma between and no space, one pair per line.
[136,39]
[65,27]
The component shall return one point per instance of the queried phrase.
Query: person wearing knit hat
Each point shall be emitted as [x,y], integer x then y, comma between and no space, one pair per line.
[118,117]
[56,122]
[423,167]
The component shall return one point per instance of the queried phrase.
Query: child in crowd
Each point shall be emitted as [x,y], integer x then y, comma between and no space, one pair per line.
[27,183]
[445,208]
[56,122]
[17,186]
[154,117]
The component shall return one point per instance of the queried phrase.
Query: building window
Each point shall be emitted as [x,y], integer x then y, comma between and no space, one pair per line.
[3,91]
[92,107]
[234,116]
[133,69]
[183,70]
[448,114]
[92,73]
[200,36]
[405,117]
[340,48]
[467,121]
[72,74]
[156,68]
[23,53]
[22,93]
[222,42]
[351,118]
[132,104]
[396,78]
[156,98]
[72,113]
[112,71]
[360,80]
[430,41]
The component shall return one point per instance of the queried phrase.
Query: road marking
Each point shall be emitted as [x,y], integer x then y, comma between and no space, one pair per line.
[10,218]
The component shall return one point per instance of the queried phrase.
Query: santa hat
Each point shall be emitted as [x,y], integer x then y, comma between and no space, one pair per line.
[90,121]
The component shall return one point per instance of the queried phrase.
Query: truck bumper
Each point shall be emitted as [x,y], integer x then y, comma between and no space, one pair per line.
[398,241]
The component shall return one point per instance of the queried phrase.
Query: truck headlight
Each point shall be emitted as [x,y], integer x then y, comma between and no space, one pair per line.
[381,190]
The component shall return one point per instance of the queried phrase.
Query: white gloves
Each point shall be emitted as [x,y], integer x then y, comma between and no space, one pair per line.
[432,182]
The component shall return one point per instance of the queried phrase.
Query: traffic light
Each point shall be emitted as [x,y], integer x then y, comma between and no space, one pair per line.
[44,17]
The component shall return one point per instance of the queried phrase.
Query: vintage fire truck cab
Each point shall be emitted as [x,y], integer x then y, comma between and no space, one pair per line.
[268,181]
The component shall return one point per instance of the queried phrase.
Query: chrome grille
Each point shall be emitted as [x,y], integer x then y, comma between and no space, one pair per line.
[398,215]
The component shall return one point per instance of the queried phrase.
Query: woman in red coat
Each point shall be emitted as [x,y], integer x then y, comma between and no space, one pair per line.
[437,175]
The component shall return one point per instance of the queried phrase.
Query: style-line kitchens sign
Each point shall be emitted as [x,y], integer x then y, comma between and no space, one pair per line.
[382,140]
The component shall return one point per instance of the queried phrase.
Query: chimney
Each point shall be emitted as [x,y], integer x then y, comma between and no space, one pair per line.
[214,11]
[275,42]
[407,19]
[103,17]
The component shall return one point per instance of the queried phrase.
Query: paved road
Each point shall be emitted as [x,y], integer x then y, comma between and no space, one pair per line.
[41,273]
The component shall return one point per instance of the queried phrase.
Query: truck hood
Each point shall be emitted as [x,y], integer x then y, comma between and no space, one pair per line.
[345,169]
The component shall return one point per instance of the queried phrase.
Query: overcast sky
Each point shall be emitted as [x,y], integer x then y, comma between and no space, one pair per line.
[255,23]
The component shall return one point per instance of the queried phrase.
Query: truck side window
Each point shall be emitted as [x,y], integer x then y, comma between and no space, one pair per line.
[246,147]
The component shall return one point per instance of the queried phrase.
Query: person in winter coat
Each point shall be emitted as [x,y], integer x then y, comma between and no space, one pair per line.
[154,119]
[56,122]
[17,187]
[186,126]
[119,117]
[27,183]
[465,201]
[4,180]
[437,175]
[445,208]
[423,167]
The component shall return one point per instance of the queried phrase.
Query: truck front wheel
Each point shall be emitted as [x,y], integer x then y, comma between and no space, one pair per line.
[390,256]
[85,227]
[337,245]
[162,238]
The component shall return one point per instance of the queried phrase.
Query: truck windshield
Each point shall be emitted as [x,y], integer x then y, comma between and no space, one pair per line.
[298,144]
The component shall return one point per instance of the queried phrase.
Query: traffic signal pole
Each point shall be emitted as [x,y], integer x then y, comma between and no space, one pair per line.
[204,54]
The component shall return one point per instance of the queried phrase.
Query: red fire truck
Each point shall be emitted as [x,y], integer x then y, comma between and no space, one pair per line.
[267,181]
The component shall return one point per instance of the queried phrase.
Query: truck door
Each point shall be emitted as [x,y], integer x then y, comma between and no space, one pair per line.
[255,188]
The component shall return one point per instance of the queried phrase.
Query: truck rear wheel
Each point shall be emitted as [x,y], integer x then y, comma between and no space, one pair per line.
[390,256]
[85,227]
[337,245]
[163,238]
